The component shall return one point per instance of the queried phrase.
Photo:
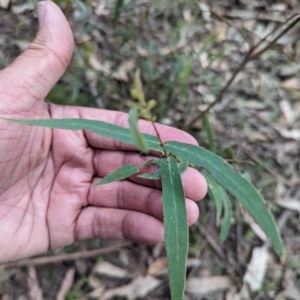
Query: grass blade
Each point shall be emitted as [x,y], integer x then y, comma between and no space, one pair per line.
[176,226]
[136,134]
[226,223]
[119,174]
[118,9]
[235,184]
[215,195]
[210,134]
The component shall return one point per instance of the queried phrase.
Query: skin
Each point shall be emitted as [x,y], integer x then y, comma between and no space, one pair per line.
[47,193]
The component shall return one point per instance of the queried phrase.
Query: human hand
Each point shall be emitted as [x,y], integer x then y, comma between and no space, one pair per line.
[47,193]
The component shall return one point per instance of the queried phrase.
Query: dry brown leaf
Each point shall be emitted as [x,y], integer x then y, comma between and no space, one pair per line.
[289,70]
[104,67]
[187,15]
[35,292]
[289,203]
[138,288]
[193,263]
[122,73]
[205,11]
[254,226]
[289,134]
[19,9]
[100,10]
[292,83]
[288,111]
[142,51]
[290,293]
[23,45]
[66,284]
[257,136]
[98,292]
[158,267]
[290,288]
[208,285]
[107,269]
[256,269]
[94,281]
[221,32]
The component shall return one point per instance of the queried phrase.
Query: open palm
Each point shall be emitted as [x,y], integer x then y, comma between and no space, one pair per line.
[47,193]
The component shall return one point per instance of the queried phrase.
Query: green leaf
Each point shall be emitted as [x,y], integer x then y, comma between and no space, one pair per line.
[154,176]
[137,91]
[101,128]
[214,194]
[183,164]
[234,183]
[119,174]
[176,226]
[118,9]
[210,134]
[136,134]
[226,223]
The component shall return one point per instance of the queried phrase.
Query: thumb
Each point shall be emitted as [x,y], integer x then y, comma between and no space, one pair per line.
[36,71]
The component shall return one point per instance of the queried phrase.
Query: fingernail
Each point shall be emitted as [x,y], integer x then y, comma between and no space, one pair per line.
[41,12]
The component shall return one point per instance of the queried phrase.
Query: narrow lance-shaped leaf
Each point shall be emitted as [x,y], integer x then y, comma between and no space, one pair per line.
[214,194]
[226,223]
[210,134]
[136,134]
[101,128]
[119,174]
[176,226]
[234,183]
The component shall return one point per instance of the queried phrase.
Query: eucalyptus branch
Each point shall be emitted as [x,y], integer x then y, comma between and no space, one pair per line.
[159,137]
[223,180]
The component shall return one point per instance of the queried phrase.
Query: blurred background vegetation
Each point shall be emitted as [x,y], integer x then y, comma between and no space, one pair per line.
[237,59]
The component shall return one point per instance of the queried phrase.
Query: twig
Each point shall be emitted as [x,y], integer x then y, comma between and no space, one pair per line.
[264,39]
[67,257]
[222,91]
[251,55]
[159,138]
[288,28]
[213,244]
